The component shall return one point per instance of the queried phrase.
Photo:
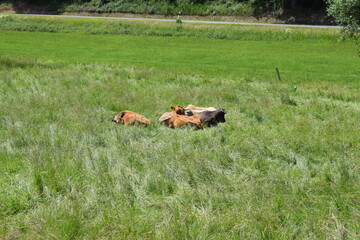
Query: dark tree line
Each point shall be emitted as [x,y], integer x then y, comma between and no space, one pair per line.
[264,5]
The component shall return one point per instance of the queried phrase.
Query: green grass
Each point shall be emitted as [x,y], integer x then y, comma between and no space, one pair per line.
[284,165]
[30,23]
[300,55]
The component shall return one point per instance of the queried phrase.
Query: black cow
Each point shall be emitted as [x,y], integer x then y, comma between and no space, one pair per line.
[212,118]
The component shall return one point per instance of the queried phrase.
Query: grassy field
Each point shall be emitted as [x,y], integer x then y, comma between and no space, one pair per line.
[285,165]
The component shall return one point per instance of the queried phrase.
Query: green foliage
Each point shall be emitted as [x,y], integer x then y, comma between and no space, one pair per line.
[186,7]
[179,26]
[347,14]
[264,6]
[178,20]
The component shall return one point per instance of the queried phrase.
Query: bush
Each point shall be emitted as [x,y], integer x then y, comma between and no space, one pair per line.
[347,14]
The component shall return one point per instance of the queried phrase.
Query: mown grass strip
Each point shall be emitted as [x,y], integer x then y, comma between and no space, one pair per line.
[43,24]
[298,61]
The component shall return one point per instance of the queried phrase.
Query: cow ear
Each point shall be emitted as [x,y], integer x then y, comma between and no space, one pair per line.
[122,114]
[172,108]
[225,111]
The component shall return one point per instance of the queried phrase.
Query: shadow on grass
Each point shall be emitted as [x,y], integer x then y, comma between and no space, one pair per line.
[24,63]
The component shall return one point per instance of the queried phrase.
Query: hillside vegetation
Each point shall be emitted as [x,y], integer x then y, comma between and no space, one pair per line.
[285,164]
[300,10]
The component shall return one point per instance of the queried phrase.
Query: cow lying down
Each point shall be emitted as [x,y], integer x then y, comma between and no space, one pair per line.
[178,110]
[178,118]
[130,118]
[196,110]
[210,116]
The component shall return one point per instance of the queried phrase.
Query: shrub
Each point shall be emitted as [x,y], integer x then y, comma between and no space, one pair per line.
[347,14]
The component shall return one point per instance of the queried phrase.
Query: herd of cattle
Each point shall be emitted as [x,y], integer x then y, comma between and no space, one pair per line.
[179,116]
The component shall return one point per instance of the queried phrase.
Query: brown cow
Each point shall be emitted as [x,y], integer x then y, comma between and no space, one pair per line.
[178,110]
[175,120]
[130,118]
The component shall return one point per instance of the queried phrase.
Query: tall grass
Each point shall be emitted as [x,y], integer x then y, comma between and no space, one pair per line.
[284,165]
[273,170]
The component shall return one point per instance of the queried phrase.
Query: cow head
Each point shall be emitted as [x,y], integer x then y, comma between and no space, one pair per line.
[220,115]
[179,110]
[119,118]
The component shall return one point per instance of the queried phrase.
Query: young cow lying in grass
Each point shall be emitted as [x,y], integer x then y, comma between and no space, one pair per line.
[197,110]
[210,116]
[177,118]
[178,110]
[130,118]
